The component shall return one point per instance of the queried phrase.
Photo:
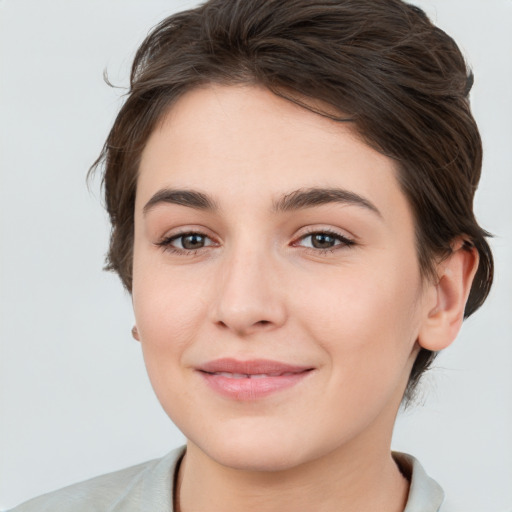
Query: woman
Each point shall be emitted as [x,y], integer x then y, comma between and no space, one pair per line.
[290,187]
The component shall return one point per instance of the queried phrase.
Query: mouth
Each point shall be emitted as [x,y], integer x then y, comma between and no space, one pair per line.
[253,367]
[252,375]
[251,380]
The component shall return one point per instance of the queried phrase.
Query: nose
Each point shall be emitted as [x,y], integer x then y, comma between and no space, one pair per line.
[250,294]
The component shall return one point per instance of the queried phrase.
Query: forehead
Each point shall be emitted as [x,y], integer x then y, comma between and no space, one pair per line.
[232,140]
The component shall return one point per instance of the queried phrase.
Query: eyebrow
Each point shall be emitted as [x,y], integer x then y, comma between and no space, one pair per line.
[311,197]
[293,201]
[190,198]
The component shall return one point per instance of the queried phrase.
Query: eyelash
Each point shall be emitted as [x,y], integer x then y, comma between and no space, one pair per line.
[166,243]
[345,242]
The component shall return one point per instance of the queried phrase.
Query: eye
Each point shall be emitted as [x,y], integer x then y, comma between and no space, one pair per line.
[324,241]
[184,243]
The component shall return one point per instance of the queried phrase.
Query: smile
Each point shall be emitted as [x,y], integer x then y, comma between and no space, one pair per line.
[251,376]
[251,380]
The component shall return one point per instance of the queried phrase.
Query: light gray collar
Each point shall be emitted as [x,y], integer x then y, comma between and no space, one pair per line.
[425,494]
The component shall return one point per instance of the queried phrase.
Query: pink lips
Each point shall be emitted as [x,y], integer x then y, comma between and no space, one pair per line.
[250,380]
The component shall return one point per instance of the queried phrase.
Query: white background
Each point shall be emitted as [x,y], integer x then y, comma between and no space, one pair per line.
[74,397]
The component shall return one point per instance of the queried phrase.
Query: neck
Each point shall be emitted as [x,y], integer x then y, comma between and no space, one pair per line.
[338,481]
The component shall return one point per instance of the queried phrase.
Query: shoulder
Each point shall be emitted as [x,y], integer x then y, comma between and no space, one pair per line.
[121,491]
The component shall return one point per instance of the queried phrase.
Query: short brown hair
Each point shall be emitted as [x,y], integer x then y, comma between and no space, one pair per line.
[401,81]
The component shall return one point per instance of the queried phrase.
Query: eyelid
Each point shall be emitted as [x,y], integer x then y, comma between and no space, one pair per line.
[191,229]
[344,240]
[165,242]
[339,233]
[185,235]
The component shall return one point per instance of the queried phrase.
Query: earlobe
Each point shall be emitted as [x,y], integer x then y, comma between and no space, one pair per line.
[135,333]
[443,320]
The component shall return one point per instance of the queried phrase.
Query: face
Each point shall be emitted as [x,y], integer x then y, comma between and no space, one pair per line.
[276,286]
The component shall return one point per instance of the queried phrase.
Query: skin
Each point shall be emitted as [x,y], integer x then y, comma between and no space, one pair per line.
[259,288]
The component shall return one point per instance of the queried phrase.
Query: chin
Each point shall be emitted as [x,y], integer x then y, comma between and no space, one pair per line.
[254,457]
[255,449]
[269,454]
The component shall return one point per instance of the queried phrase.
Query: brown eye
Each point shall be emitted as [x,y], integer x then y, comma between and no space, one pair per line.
[186,243]
[192,241]
[322,241]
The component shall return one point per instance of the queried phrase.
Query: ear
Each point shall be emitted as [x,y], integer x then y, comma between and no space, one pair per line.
[449,294]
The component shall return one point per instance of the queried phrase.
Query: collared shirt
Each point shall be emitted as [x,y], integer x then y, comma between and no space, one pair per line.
[149,486]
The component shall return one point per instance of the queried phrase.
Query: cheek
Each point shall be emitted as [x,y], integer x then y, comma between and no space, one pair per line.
[168,311]
[363,313]
[168,306]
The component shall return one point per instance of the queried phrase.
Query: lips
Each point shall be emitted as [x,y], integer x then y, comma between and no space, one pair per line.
[251,375]
[252,367]
[251,380]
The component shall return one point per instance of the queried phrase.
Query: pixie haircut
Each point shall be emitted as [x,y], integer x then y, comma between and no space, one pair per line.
[380,65]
